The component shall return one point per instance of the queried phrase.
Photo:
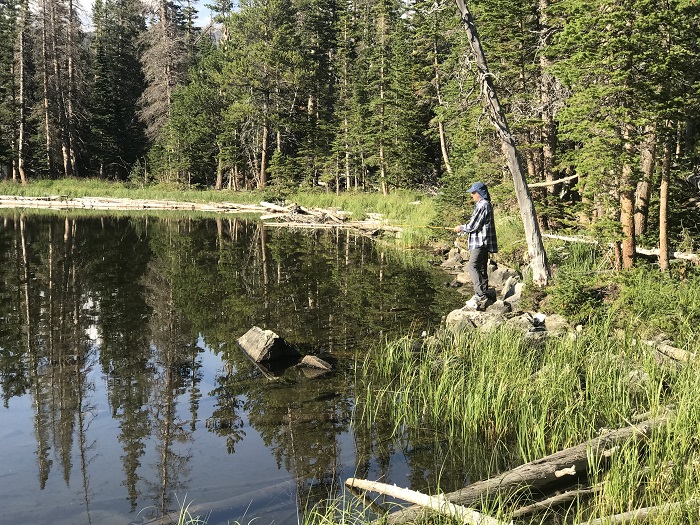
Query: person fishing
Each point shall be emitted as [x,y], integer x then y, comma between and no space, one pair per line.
[481,241]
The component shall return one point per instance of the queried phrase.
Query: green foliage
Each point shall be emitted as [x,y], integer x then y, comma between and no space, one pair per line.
[8,31]
[117,137]
[577,292]
[495,392]
[654,304]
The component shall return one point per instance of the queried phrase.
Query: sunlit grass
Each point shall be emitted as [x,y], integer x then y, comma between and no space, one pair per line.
[185,516]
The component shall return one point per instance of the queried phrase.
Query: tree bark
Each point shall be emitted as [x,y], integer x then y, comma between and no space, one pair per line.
[538,256]
[263,156]
[70,89]
[643,192]
[45,81]
[441,126]
[219,184]
[60,93]
[663,205]
[22,52]
[627,187]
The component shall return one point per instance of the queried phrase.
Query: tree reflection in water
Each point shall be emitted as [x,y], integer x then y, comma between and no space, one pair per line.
[121,331]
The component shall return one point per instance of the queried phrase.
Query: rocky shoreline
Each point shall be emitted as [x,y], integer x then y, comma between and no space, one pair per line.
[504,305]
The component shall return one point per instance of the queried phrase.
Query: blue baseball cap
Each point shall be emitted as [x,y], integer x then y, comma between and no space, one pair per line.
[477,187]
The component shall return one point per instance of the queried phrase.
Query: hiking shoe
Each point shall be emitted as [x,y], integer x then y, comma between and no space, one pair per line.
[476,303]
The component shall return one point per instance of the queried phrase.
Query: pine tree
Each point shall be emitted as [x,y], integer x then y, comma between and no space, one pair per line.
[262,71]
[611,63]
[164,62]
[195,124]
[8,32]
[117,136]
[432,24]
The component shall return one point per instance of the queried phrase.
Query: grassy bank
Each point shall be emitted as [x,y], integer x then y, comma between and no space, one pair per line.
[506,400]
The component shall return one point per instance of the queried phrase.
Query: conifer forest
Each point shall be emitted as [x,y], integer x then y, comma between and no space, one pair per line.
[602,98]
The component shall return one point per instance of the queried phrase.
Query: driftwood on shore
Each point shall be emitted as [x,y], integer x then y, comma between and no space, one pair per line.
[272,215]
[692,257]
[60,202]
[539,474]
[438,503]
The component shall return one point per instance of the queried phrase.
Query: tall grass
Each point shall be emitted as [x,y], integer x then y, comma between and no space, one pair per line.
[524,400]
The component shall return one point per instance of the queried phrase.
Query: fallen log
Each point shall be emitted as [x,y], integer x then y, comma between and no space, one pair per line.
[641,515]
[693,257]
[555,501]
[274,207]
[676,354]
[553,182]
[540,473]
[367,502]
[436,503]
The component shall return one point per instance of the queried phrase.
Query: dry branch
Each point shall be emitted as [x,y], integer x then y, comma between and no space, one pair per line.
[436,503]
[640,515]
[553,183]
[557,500]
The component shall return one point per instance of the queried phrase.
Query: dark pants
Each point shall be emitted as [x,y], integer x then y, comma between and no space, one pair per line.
[478,259]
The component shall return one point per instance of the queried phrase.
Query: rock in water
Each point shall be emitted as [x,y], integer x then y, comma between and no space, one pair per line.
[265,345]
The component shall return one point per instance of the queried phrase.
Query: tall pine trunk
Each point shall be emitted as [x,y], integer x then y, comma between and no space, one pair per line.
[538,256]
[263,155]
[441,125]
[22,87]
[627,187]
[60,93]
[70,89]
[548,129]
[663,205]
[45,82]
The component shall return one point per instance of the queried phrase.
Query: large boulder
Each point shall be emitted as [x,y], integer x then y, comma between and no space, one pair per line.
[499,276]
[265,345]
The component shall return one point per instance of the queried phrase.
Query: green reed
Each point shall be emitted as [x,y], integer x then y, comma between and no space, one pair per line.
[528,400]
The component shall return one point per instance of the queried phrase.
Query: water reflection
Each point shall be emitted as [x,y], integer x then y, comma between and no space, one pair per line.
[124,391]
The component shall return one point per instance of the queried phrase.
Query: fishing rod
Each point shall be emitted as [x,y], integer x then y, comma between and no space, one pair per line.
[429,227]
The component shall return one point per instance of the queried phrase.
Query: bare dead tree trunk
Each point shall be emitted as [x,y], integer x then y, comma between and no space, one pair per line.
[45,81]
[538,256]
[540,474]
[441,125]
[382,96]
[663,205]
[263,155]
[22,52]
[70,89]
[60,92]
[219,171]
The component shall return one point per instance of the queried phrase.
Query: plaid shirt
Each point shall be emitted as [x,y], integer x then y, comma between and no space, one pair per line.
[481,227]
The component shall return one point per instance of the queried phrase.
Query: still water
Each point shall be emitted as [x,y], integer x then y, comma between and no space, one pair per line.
[124,393]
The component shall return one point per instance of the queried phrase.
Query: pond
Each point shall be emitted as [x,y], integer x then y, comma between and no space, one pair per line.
[125,394]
